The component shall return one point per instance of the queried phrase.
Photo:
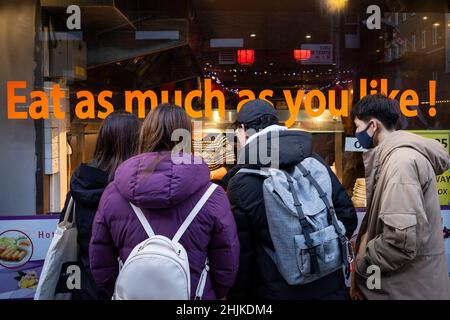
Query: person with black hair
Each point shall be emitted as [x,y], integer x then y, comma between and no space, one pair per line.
[258,275]
[400,240]
[375,113]
[116,142]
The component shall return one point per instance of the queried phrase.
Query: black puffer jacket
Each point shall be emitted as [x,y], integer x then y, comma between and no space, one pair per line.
[86,187]
[258,276]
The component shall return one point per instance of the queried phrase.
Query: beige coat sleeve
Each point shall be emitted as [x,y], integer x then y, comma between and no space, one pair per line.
[401,210]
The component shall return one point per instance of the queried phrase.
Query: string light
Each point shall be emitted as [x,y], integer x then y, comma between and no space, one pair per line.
[438,101]
[213,76]
[336,81]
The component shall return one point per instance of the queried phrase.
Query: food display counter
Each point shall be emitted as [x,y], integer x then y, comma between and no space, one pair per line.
[327,133]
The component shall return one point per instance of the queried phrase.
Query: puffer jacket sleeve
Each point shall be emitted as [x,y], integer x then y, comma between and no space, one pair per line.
[345,211]
[401,212]
[224,246]
[102,251]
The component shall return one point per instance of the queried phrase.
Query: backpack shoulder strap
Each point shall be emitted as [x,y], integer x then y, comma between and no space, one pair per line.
[145,224]
[346,251]
[202,281]
[323,195]
[194,212]
[254,171]
[306,227]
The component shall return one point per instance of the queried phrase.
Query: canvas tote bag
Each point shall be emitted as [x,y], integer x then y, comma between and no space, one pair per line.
[63,249]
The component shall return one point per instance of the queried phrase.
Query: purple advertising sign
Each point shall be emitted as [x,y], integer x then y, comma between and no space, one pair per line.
[24,242]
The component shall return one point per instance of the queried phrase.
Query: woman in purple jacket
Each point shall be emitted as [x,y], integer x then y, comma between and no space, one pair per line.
[166,186]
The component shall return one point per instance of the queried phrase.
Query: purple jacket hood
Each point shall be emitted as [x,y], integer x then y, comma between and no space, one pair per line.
[153,180]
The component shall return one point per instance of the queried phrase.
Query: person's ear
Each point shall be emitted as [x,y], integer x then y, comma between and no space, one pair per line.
[379,125]
[374,126]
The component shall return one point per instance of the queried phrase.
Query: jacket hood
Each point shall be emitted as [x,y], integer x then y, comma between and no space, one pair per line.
[160,179]
[429,148]
[279,148]
[87,185]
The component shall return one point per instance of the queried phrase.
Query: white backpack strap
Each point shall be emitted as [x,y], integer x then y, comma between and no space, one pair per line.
[194,212]
[202,281]
[143,220]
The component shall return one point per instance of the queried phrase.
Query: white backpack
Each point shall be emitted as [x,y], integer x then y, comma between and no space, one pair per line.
[158,268]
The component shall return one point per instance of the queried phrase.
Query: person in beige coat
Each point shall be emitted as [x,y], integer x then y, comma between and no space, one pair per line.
[401,234]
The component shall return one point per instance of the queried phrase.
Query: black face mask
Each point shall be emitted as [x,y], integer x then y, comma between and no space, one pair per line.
[364,139]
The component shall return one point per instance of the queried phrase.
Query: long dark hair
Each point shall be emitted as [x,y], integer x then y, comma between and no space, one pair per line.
[158,126]
[116,142]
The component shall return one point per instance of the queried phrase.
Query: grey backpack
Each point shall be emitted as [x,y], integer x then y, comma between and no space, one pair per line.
[308,239]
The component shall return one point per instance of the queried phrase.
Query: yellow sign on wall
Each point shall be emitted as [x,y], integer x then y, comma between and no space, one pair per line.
[443,181]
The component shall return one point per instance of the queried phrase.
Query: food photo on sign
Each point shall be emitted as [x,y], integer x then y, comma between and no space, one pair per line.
[22,253]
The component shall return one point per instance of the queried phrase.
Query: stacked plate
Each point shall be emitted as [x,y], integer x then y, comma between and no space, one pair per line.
[216,151]
[359,193]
